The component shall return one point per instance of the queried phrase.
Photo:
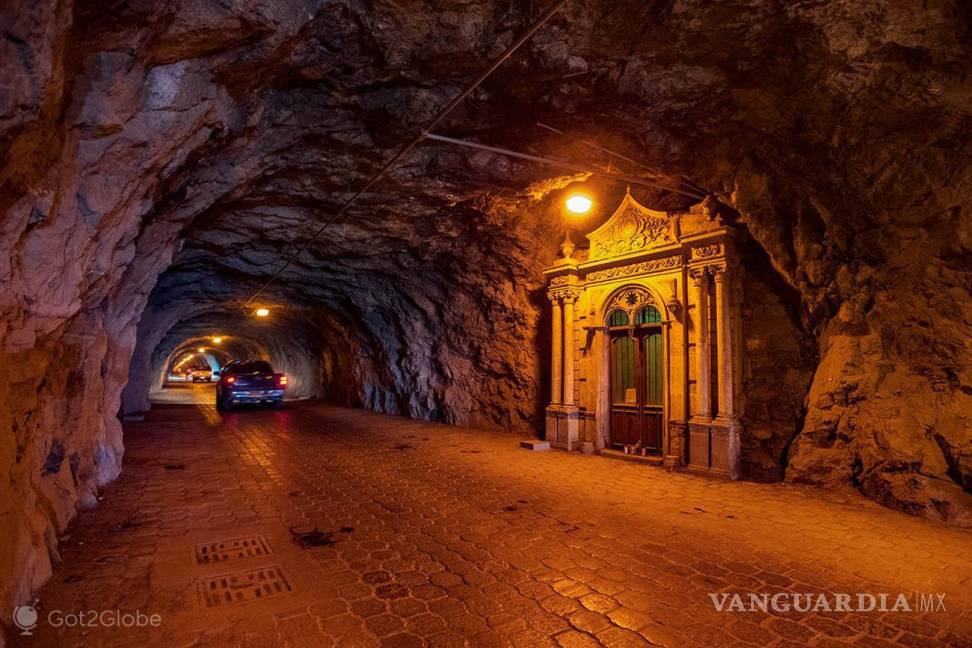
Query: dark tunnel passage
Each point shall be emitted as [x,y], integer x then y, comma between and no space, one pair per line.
[292,346]
[162,162]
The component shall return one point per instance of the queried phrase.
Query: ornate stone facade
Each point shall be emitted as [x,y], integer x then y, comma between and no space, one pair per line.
[632,228]
[646,345]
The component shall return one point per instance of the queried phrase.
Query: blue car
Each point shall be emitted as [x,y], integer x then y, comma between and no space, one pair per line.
[249,381]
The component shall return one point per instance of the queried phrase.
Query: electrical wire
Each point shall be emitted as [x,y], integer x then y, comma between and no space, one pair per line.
[689,186]
[566,164]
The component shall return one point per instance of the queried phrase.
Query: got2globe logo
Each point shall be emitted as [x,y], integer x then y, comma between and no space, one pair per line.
[25,618]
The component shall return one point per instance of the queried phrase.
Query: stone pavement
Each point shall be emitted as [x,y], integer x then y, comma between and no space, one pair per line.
[443,536]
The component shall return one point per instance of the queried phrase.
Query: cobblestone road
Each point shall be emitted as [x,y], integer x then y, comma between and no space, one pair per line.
[445,536]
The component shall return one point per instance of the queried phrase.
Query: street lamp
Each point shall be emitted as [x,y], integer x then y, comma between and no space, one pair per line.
[217,340]
[262,312]
[579,204]
[201,349]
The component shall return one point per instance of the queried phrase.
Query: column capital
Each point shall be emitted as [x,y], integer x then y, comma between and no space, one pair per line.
[718,272]
[697,274]
[554,297]
[569,295]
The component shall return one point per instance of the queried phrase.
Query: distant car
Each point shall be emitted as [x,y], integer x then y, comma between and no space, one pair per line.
[249,381]
[202,375]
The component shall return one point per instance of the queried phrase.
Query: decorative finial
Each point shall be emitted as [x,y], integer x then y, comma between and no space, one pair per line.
[712,209]
[568,246]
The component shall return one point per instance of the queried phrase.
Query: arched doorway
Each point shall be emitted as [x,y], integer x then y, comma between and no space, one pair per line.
[637,373]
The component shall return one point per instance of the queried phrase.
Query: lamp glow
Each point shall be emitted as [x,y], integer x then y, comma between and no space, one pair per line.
[262,312]
[579,204]
[201,349]
[217,340]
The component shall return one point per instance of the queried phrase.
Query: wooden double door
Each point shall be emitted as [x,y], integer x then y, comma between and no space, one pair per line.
[637,387]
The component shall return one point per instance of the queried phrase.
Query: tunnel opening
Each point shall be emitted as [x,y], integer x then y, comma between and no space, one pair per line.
[204,353]
[286,340]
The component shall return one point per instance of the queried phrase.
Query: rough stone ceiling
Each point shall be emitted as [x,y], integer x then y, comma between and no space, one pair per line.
[161,159]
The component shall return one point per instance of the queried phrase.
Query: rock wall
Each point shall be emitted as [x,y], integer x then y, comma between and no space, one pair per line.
[778,362]
[160,160]
[890,409]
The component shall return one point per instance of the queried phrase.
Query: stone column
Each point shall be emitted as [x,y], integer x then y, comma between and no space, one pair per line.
[702,406]
[725,442]
[603,388]
[569,299]
[723,337]
[667,393]
[556,359]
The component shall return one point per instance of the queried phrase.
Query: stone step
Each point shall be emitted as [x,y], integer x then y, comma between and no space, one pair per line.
[535,444]
[652,460]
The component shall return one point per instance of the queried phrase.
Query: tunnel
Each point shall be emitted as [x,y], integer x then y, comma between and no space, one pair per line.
[709,261]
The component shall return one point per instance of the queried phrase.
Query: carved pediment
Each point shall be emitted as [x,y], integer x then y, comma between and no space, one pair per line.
[632,228]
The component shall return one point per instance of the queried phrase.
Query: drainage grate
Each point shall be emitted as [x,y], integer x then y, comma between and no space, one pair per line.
[244,586]
[227,550]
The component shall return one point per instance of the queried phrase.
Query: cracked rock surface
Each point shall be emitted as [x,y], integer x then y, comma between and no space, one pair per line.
[160,160]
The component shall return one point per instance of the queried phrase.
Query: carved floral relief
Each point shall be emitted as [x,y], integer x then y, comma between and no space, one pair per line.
[635,268]
[632,228]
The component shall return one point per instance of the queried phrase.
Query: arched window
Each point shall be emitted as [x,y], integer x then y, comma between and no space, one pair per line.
[618,318]
[648,315]
[637,355]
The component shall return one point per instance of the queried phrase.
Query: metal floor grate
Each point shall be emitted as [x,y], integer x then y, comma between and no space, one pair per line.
[226,550]
[244,586]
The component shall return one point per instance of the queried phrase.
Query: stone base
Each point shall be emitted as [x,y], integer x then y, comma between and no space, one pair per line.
[713,447]
[649,460]
[677,440]
[563,426]
[535,444]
